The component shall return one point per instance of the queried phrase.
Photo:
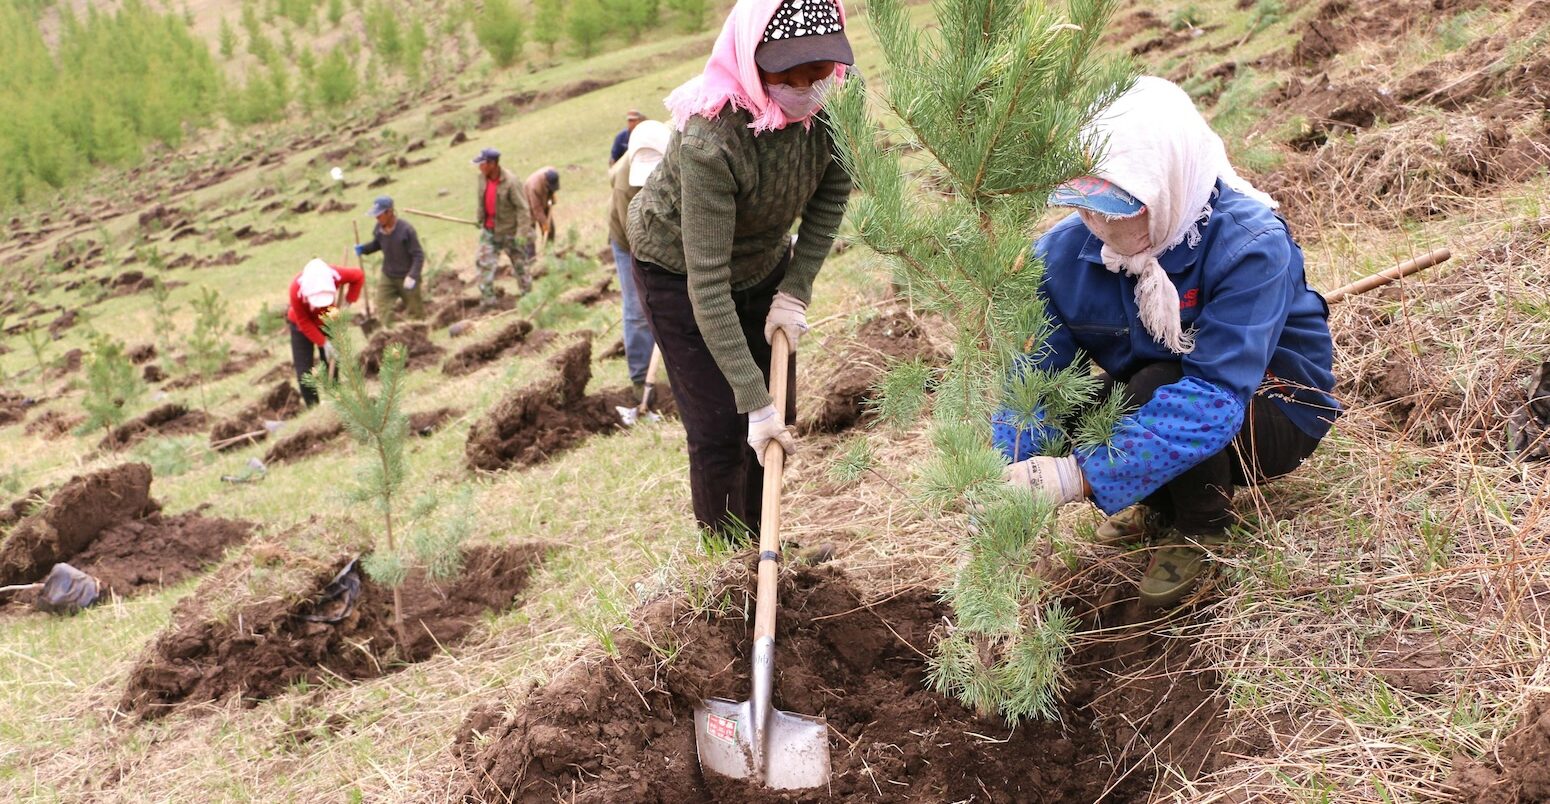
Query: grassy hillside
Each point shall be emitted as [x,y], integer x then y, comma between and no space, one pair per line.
[1377,629]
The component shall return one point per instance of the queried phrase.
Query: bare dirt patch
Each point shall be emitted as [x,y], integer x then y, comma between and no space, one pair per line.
[621,729]
[282,402]
[516,337]
[1517,772]
[14,407]
[549,416]
[158,550]
[53,423]
[313,439]
[73,517]
[425,423]
[168,420]
[852,365]
[258,647]
[416,341]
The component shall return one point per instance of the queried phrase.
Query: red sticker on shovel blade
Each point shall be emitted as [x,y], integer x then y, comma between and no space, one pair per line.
[721,728]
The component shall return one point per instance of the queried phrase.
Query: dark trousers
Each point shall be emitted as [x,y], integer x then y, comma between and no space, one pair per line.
[304,355]
[725,479]
[1199,501]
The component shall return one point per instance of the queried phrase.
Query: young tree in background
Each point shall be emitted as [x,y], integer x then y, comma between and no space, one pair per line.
[209,345]
[335,82]
[690,14]
[548,19]
[996,113]
[499,30]
[228,38]
[111,385]
[587,24]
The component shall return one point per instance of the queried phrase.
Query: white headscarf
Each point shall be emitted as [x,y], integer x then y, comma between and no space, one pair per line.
[319,283]
[1157,147]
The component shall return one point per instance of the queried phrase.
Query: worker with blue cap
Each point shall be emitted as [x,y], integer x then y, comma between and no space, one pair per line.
[505,225]
[402,260]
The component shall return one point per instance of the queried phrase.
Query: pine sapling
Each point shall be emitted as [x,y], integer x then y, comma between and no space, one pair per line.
[38,343]
[991,116]
[376,421]
[111,385]
[209,345]
[161,296]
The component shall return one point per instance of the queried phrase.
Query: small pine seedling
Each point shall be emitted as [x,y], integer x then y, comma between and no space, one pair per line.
[210,344]
[111,385]
[998,113]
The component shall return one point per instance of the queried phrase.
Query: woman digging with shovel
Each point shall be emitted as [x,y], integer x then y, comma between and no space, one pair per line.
[714,262]
[1179,280]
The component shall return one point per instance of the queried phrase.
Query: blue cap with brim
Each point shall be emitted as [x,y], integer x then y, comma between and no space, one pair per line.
[487,155]
[1099,195]
[381,205]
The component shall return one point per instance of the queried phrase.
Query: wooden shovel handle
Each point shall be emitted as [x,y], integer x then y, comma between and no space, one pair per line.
[774,471]
[1384,277]
[438,216]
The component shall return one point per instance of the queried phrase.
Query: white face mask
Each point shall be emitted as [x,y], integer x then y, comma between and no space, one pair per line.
[799,104]
[1127,236]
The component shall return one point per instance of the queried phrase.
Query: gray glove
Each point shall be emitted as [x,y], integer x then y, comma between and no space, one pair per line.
[764,425]
[329,352]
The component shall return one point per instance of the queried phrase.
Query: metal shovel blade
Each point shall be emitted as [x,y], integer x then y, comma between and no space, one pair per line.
[796,747]
[632,416]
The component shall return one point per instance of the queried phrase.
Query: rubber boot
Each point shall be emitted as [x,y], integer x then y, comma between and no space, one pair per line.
[1137,523]
[1175,569]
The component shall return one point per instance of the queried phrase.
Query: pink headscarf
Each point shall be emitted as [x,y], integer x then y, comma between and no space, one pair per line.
[731,76]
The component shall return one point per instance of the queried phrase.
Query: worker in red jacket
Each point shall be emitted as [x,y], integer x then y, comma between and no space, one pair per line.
[314,293]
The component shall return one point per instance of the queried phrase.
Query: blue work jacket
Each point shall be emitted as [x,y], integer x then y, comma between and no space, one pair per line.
[1259,329]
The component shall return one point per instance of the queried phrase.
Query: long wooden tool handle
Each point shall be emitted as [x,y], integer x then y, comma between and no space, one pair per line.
[438,216]
[1382,278]
[652,368]
[774,471]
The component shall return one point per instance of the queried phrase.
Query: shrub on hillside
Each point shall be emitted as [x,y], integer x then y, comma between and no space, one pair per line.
[499,31]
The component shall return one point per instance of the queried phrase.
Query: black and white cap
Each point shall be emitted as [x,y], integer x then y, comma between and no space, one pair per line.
[803,31]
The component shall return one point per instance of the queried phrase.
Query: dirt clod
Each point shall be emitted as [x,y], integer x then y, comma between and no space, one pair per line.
[282,402]
[622,729]
[73,517]
[1517,772]
[314,439]
[471,357]
[425,423]
[416,341]
[549,416]
[846,382]
[263,646]
[167,420]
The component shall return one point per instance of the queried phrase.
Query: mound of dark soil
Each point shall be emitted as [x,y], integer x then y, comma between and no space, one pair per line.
[236,364]
[846,383]
[593,294]
[282,402]
[549,416]
[416,340]
[457,309]
[158,550]
[516,338]
[263,646]
[167,420]
[314,439]
[52,424]
[13,407]
[622,729]
[144,353]
[1518,771]
[471,357]
[425,423]
[74,516]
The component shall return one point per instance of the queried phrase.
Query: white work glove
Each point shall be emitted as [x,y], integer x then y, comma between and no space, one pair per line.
[764,425]
[1059,479]
[329,352]
[409,283]
[789,313]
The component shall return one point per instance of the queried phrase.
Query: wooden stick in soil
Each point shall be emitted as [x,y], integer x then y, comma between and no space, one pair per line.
[361,265]
[1384,277]
[20,587]
[440,217]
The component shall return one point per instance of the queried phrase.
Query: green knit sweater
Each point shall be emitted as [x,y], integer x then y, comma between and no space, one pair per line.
[720,208]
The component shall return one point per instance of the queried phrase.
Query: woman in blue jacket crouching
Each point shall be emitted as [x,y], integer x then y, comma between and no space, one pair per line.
[1179,280]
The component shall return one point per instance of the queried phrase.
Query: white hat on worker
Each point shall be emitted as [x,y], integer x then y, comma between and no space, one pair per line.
[648,142]
[319,284]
